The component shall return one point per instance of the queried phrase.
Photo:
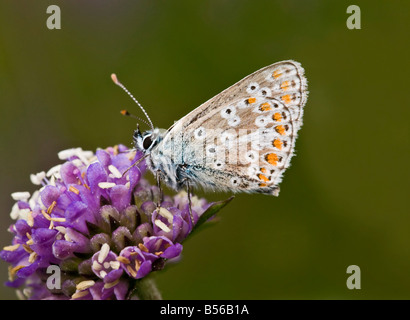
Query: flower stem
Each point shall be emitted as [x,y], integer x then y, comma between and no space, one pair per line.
[146,289]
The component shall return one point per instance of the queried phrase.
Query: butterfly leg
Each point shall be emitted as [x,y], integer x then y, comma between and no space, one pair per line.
[160,197]
[188,187]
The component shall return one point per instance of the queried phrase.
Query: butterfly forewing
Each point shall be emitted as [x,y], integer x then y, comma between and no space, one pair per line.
[243,138]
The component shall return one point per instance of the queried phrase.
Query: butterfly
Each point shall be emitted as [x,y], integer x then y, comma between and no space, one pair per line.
[241,140]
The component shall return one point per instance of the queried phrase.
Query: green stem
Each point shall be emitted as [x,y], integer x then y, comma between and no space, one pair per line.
[146,289]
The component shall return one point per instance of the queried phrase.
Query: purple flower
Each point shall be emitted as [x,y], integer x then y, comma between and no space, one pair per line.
[95,219]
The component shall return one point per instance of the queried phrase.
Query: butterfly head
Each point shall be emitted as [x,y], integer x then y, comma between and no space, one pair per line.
[147,140]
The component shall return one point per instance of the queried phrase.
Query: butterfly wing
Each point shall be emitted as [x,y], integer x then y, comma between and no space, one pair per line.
[243,138]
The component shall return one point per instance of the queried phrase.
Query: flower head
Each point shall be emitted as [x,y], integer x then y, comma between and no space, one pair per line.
[96,220]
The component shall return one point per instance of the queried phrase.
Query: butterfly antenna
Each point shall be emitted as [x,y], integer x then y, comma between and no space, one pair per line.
[126,113]
[118,83]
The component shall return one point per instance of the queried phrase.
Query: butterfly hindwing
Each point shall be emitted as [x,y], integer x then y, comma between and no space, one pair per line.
[242,139]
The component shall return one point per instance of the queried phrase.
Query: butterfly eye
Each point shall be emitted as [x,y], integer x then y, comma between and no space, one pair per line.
[147,142]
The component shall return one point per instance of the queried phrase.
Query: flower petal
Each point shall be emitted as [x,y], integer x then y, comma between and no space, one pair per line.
[49,195]
[120,197]
[95,175]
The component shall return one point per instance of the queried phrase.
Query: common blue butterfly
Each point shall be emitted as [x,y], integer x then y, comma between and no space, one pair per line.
[241,140]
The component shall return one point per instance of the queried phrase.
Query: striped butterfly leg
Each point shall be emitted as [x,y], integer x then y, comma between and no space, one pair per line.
[161,195]
[188,190]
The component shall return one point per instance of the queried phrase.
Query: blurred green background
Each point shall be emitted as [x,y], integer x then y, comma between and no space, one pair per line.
[345,199]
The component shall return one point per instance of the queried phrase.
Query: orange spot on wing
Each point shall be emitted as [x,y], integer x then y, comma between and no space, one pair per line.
[277,117]
[262,185]
[263,170]
[272,158]
[265,107]
[280,129]
[251,100]
[263,177]
[285,85]
[276,74]
[286,98]
[277,143]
